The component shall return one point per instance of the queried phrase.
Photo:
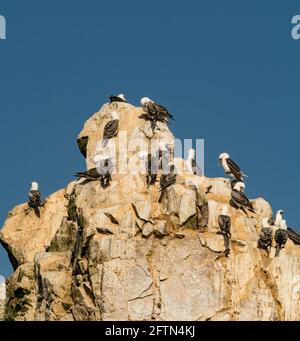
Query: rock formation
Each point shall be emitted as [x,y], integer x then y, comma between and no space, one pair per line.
[2,299]
[117,254]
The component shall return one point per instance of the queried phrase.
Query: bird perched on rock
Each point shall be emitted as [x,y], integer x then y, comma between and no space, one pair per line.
[281,236]
[239,199]
[151,163]
[34,198]
[278,217]
[167,180]
[111,128]
[230,167]
[191,164]
[102,173]
[224,221]
[266,235]
[154,112]
[118,98]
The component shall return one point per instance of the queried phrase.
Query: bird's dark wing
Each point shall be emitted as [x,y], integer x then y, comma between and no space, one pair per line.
[111,129]
[167,180]
[163,111]
[241,199]
[196,169]
[294,236]
[224,223]
[235,169]
[90,174]
[34,198]
[266,233]
[281,236]
[116,99]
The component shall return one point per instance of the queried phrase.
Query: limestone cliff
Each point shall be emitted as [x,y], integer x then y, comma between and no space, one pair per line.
[117,254]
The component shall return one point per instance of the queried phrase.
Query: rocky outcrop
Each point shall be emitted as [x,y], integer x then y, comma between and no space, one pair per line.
[118,254]
[2,299]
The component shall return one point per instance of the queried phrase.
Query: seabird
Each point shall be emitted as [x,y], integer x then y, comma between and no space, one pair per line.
[34,198]
[111,128]
[281,236]
[278,218]
[230,167]
[151,163]
[266,235]
[191,164]
[154,112]
[167,180]
[239,198]
[118,98]
[102,173]
[225,225]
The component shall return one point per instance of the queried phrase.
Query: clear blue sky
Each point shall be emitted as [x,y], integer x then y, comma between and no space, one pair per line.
[228,70]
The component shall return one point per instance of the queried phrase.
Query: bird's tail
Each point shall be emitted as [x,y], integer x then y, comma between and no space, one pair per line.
[161,196]
[277,250]
[226,243]
[80,174]
[37,211]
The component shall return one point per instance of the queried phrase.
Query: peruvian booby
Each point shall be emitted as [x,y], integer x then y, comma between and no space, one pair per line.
[102,173]
[191,164]
[239,198]
[278,217]
[230,167]
[151,163]
[225,225]
[166,180]
[34,198]
[111,128]
[118,98]
[266,235]
[154,112]
[281,236]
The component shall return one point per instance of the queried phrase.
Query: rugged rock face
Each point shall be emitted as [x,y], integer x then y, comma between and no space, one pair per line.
[2,299]
[117,254]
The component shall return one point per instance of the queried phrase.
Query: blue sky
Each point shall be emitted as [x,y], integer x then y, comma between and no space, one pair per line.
[228,71]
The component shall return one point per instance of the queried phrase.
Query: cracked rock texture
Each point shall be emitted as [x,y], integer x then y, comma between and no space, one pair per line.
[117,254]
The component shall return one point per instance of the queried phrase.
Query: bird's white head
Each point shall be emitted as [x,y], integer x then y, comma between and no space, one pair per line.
[191,154]
[265,222]
[282,224]
[34,186]
[280,212]
[122,96]
[224,210]
[240,186]
[223,156]
[278,217]
[145,100]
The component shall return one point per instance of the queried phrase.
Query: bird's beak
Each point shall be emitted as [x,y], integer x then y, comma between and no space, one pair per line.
[219,162]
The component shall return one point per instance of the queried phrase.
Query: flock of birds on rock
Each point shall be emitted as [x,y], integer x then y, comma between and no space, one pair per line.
[162,160]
